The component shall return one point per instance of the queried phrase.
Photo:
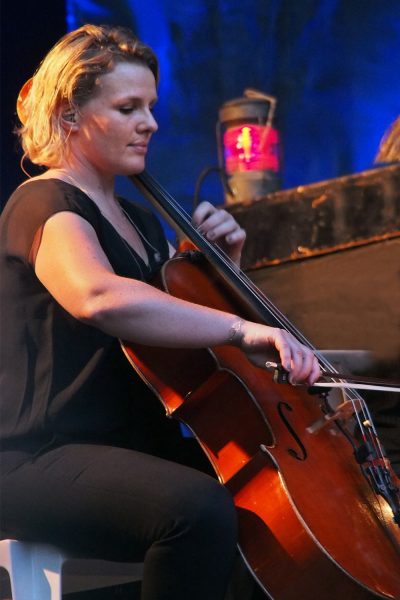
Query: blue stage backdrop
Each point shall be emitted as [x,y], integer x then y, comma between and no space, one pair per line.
[332,64]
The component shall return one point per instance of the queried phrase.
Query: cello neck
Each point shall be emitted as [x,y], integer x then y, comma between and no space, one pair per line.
[244,288]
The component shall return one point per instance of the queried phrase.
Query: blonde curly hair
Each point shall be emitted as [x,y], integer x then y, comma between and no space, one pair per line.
[66,79]
[389,148]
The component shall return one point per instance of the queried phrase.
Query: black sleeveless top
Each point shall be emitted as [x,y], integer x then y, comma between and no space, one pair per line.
[60,378]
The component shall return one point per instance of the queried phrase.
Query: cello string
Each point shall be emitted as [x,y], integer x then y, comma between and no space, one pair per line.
[232,269]
[361,411]
[369,455]
[249,285]
[262,300]
[213,249]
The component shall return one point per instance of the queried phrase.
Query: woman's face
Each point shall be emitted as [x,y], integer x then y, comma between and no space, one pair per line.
[114,127]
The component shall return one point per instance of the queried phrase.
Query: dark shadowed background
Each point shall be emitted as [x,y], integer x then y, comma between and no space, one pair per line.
[332,64]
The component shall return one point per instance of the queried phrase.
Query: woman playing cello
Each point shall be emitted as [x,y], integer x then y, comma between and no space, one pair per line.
[81,464]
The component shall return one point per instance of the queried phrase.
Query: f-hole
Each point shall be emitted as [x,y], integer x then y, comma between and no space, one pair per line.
[282,406]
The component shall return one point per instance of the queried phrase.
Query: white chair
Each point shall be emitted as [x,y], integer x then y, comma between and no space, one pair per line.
[44,572]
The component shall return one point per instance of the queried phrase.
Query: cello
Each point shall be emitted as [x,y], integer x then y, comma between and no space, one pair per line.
[317,502]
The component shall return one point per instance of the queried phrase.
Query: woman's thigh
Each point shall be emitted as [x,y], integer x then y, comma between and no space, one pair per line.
[108,501]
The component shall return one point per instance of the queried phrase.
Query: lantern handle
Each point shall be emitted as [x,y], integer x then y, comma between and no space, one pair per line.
[252,93]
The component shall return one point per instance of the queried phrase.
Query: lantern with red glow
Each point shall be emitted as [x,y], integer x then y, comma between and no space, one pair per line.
[248,147]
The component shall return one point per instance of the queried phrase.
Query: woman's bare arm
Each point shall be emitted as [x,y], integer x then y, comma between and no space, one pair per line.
[71,264]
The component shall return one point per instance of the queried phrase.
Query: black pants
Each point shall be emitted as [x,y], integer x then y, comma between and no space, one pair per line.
[116,503]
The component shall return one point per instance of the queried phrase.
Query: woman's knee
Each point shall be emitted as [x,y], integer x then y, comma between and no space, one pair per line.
[210,508]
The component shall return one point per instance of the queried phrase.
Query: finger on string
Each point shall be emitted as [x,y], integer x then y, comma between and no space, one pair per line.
[236,237]
[221,230]
[202,213]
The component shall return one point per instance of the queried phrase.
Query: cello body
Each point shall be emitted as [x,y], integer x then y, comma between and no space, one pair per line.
[310,525]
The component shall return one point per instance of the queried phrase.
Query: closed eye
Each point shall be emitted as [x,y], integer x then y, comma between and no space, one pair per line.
[132,105]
